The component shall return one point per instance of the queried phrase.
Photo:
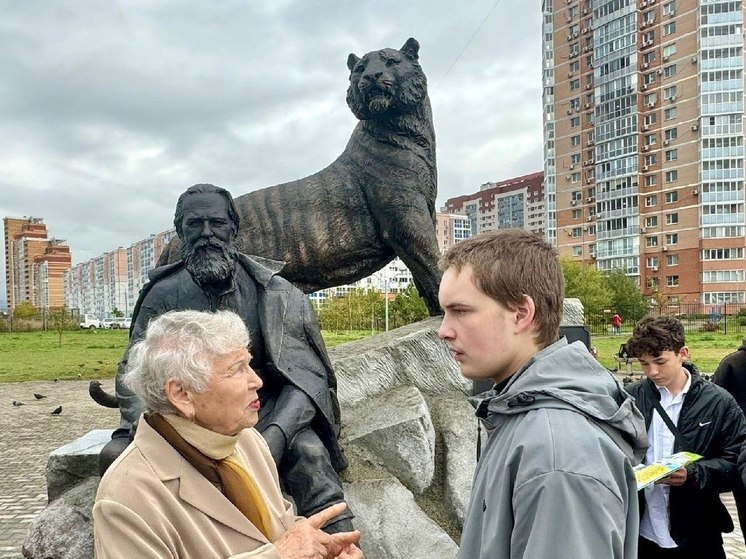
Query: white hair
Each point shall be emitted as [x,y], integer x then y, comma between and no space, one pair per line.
[181,345]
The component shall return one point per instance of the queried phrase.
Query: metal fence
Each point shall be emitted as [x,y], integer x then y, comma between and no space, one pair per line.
[61,319]
[696,317]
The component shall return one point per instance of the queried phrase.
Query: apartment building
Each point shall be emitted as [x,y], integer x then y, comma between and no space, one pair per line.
[644,142]
[34,264]
[512,203]
[113,280]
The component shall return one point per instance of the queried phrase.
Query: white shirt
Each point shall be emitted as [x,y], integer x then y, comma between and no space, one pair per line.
[654,525]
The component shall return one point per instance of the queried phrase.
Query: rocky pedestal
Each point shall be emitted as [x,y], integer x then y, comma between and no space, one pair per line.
[408,430]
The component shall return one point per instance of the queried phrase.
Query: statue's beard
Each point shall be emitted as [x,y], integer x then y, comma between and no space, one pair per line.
[210,261]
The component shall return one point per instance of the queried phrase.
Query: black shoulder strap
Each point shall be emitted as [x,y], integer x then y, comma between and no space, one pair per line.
[664,416]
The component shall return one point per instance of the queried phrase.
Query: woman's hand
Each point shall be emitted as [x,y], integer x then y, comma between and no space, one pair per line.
[305,540]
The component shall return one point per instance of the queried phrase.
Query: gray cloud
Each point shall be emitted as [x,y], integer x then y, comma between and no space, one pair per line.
[108,110]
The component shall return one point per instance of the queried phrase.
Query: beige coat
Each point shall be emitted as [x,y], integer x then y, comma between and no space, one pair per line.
[152,503]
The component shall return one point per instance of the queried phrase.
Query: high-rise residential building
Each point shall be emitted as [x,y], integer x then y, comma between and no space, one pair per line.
[644,142]
[450,228]
[34,264]
[113,280]
[512,203]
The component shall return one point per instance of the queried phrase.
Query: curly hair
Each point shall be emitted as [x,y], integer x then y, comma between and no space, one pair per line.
[654,335]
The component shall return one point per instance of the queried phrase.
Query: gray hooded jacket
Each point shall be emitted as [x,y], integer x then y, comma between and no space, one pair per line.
[555,479]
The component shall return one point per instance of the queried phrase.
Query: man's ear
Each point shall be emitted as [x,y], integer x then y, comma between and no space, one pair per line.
[524,314]
[180,397]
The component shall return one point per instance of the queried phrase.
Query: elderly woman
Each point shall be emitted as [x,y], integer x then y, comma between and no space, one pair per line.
[198,481]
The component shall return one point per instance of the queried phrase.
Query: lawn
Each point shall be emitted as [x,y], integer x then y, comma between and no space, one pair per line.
[90,354]
[87,354]
[706,349]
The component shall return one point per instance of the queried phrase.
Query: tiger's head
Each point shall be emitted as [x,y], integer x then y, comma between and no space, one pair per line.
[386,82]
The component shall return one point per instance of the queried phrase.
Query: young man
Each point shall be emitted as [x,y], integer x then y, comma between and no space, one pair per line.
[682,516]
[555,478]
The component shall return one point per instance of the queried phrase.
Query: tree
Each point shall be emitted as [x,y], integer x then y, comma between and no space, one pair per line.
[407,307]
[60,320]
[24,310]
[627,299]
[586,283]
[115,312]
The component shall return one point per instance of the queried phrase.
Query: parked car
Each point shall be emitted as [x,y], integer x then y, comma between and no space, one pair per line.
[90,322]
[117,323]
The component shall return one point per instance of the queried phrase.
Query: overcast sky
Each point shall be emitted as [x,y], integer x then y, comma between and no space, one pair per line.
[109,110]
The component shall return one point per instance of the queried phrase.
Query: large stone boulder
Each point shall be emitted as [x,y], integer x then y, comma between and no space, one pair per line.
[393,525]
[396,428]
[75,462]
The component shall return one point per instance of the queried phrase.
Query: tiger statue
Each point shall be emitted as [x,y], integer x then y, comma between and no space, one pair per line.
[374,202]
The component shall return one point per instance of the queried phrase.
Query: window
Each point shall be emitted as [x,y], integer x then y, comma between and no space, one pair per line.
[577,251]
[648,38]
[647,79]
[576,195]
[672,197]
[653,283]
[574,66]
[574,121]
[649,119]
[672,260]
[672,281]
[574,84]
[575,141]
[651,262]
[651,98]
[669,51]
[671,134]
[669,113]
[672,155]
[648,58]
[577,231]
[651,241]
[672,176]
[575,103]
[651,159]
[672,219]
[575,158]
[649,139]
[651,221]
[575,177]
[669,28]
[651,180]
[669,8]
[669,92]
[651,201]
[574,49]
[669,71]
[672,239]
[577,214]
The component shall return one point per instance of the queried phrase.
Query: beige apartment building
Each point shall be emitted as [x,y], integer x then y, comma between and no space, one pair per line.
[644,142]
[34,264]
[516,202]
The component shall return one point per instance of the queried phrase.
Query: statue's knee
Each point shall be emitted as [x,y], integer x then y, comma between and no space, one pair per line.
[112,450]
[309,449]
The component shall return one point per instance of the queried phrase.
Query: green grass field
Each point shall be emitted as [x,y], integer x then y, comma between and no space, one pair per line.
[94,354]
[706,349]
[87,354]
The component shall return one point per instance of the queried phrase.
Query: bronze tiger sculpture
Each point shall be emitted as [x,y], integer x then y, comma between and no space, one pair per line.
[375,202]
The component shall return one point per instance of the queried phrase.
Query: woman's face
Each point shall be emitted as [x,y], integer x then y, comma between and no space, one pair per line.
[230,403]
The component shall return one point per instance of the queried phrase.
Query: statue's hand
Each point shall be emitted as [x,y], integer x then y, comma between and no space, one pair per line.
[276,441]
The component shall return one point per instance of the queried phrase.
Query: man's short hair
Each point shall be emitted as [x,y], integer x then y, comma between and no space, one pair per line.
[205,189]
[510,263]
[654,335]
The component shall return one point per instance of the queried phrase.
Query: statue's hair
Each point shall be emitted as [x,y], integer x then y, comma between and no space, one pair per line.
[205,188]
[509,264]
[655,334]
[181,345]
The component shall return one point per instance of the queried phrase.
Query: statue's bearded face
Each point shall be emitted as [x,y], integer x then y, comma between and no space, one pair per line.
[207,239]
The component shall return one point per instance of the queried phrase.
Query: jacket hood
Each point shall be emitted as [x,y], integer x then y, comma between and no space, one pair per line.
[566,376]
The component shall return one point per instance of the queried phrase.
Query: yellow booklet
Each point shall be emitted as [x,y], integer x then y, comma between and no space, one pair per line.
[650,473]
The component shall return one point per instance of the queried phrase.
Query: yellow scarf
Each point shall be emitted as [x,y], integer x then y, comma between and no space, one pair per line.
[214,456]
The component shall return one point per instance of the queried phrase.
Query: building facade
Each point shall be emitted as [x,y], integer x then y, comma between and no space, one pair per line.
[512,203]
[113,280]
[644,142]
[34,264]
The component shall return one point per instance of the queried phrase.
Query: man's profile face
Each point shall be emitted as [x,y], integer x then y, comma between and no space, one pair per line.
[206,218]
[480,332]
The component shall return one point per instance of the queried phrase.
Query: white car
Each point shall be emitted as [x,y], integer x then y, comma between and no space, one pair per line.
[90,322]
[117,323]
